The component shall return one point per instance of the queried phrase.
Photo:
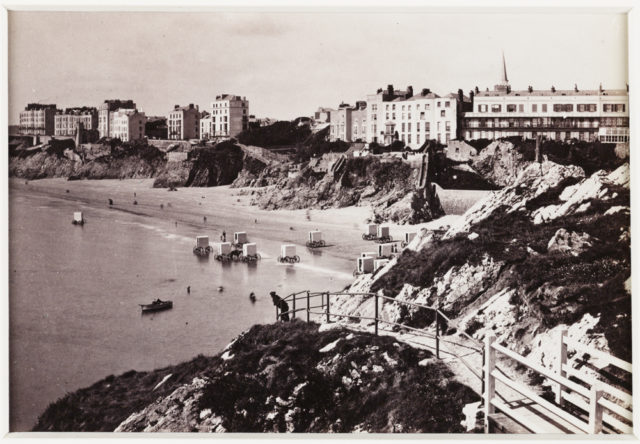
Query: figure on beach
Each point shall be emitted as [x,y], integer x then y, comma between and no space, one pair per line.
[205,219]
[224,236]
[282,306]
[252,297]
[110,201]
[189,289]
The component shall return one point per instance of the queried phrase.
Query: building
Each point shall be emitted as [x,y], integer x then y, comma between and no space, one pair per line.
[66,123]
[413,119]
[323,114]
[127,125]
[105,114]
[229,116]
[348,123]
[555,114]
[205,125]
[38,120]
[183,122]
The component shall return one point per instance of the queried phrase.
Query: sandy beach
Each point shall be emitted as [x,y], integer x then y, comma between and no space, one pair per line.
[225,209]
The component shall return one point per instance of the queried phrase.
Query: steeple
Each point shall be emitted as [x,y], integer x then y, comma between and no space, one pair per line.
[504,70]
[504,81]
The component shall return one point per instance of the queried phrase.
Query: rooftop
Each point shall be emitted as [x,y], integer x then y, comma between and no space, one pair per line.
[557,92]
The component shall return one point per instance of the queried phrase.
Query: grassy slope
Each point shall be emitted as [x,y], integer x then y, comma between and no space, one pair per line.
[592,282]
[269,361]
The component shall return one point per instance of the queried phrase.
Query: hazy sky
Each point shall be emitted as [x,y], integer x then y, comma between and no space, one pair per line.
[288,64]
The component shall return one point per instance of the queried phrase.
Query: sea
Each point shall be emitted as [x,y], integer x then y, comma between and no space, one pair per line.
[74,295]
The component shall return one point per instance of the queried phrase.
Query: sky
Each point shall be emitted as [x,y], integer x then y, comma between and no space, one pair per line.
[288,64]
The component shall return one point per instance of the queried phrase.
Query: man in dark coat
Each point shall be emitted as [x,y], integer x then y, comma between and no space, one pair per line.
[282,306]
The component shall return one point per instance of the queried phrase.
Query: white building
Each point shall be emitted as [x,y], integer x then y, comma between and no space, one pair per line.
[183,122]
[229,116]
[127,125]
[205,125]
[555,114]
[414,119]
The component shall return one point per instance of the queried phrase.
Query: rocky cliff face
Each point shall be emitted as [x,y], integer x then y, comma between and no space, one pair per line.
[389,186]
[286,377]
[548,251]
[499,163]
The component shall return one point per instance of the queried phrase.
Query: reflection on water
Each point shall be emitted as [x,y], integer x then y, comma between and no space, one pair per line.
[87,282]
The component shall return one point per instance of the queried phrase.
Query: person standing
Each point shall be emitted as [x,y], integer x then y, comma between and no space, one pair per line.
[282,306]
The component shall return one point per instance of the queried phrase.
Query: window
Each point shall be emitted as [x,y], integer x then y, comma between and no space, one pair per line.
[403,127]
[422,115]
[511,108]
[402,107]
[418,139]
[447,125]
[560,107]
[544,107]
[393,107]
[442,113]
[438,104]
[409,138]
[590,107]
[483,108]
[409,127]
[427,106]
[427,127]
[447,138]
[438,126]
[613,107]
[447,104]
[534,108]
[393,116]
[409,116]
[521,108]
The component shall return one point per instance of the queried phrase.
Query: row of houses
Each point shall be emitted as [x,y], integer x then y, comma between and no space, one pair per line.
[391,115]
[115,118]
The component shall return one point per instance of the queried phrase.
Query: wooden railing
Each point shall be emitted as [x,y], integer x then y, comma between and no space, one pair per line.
[594,397]
[302,302]
[603,404]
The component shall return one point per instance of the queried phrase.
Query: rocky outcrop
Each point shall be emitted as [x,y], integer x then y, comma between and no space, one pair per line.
[285,377]
[388,186]
[572,243]
[500,163]
[502,269]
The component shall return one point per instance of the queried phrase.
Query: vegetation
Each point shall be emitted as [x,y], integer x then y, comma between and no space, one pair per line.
[557,288]
[282,133]
[271,361]
[366,382]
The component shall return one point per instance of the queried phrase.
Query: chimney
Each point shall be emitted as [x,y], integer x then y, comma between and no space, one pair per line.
[176,106]
[390,90]
[601,89]
[530,88]
[477,90]
[553,89]
[191,106]
[575,87]
[409,92]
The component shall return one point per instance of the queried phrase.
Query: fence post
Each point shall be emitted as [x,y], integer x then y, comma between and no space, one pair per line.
[490,384]
[437,334]
[375,295]
[562,360]
[328,314]
[308,305]
[595,411]
[293,314]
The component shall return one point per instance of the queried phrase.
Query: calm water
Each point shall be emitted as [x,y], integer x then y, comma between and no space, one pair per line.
[74,295]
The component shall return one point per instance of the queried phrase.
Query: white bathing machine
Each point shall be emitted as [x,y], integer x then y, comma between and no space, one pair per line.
[288,254]
[364,265]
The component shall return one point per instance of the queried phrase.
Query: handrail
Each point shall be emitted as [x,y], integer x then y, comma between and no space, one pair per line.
[621,364]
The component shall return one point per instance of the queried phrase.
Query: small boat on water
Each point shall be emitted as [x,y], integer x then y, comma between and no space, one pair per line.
[156,305]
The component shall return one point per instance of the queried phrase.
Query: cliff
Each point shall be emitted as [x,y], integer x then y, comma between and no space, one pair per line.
[285,377]
[552,250]
[387,184]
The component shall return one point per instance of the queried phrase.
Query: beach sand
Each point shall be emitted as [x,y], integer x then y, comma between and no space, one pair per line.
[225,209]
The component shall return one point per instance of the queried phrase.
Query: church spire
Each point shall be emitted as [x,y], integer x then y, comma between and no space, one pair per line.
[504,71]
[504,81]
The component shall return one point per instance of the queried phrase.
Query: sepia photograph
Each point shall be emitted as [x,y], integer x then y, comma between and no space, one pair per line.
[319,220]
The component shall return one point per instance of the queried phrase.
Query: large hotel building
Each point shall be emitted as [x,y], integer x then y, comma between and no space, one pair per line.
[391,115]
[555,114]
[38,120]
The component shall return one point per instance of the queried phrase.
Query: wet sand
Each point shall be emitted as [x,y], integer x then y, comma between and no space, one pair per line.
[225,209]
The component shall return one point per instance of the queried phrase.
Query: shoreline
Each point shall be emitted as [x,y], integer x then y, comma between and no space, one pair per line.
[225,209]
